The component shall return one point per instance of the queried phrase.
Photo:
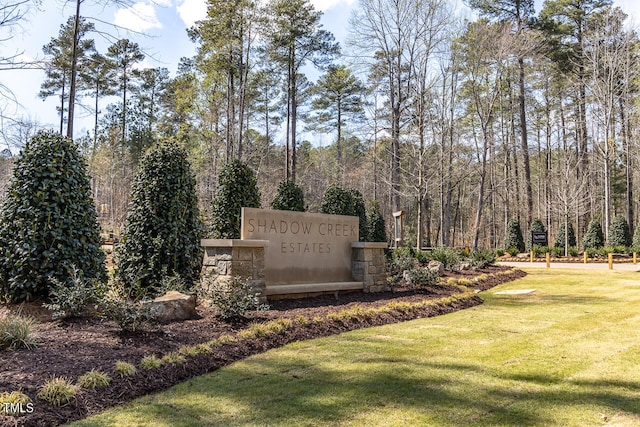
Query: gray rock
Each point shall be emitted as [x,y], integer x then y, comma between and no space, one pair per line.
[172,306]
[436,267]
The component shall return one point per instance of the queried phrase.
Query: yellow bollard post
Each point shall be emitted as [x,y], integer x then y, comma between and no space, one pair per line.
[548,260]
[531,256]
[610,261]
[585,257]
[635,257]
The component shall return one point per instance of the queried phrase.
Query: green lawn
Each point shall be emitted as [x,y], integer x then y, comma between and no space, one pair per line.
[566,355]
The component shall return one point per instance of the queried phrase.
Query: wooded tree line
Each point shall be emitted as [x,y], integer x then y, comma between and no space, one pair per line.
[464,125]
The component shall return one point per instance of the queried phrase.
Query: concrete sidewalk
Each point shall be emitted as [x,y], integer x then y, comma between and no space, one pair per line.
[576,265]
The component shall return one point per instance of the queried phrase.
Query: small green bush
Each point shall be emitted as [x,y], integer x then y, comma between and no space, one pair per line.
[594,238]
[48,220]
[420,277]
[482,258]
[237,188]
[499,252]
[57,391]
[513,251]
[70,299]
[125,369]
[235,297]
[94,379]
[514,238]
[289,197]
[449,257]
[401,259]
[573,251]
[15,330]
[129,314]
[619,234]
[557,251]
[540,250]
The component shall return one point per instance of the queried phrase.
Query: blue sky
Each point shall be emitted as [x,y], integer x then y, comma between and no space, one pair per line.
[160,29]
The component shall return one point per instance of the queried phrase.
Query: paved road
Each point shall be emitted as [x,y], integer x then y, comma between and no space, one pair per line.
[578,265]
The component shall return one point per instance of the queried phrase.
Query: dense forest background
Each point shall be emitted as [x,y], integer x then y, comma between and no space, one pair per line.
[463,125]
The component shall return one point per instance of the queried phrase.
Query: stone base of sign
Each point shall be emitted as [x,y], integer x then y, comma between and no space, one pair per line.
[368,265]
[225,259]
[228,258]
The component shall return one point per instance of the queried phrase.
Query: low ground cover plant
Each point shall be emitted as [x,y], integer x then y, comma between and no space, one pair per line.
[15,330]
[57,391]
[94,379]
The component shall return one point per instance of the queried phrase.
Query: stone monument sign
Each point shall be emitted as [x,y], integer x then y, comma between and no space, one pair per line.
[303,247]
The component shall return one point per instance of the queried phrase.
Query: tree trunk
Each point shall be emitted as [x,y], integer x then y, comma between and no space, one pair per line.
[74,70]
[525,144]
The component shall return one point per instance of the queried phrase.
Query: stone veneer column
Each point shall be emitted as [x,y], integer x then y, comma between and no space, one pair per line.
[228,258]
[368,265]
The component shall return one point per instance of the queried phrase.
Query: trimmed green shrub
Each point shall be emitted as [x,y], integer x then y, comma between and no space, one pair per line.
[48,220]
[377,226]
[636,238]
[560,236]
[341,201]
[619,234]
[514,238]
[594,238]
[162,232]
[237,188]
[536,227]
[289,197]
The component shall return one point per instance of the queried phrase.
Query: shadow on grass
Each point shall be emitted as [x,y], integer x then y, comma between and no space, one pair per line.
[267,392]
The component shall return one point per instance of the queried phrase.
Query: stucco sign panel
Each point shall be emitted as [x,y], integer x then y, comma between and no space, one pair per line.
[303,247]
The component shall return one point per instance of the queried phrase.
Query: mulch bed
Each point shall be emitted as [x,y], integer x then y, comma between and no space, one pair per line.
[71,348]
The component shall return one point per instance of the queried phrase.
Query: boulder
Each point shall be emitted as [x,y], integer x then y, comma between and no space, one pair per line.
[172,306]
[436,267]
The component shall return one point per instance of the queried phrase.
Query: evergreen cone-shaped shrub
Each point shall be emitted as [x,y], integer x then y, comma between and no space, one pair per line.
[341,201]
[289,197]
[536,227]
[561,235]
[514,236]
[48,222]
[636,238]
[237,188]
[619,234]
[162,232]
[376,223]
[594,238]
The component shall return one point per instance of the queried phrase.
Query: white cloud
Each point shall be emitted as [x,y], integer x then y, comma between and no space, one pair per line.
[139,17]
[323,5]
[191,11]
